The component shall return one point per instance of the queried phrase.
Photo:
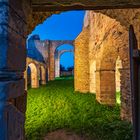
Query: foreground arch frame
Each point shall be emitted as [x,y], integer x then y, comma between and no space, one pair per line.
[13,52]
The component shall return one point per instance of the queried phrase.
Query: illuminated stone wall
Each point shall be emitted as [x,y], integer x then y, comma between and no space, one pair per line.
[108,41]
[81,71]
[38,72]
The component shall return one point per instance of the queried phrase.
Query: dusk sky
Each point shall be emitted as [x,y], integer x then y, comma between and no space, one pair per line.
[63,26]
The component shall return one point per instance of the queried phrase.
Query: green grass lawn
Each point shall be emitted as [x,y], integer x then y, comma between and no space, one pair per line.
[56,106]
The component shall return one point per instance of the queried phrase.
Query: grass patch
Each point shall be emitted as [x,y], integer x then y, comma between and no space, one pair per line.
[56,106]
[64,78]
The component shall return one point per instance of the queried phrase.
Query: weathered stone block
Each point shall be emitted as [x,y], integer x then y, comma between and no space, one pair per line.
[14,123]
[105,87]
[12,37]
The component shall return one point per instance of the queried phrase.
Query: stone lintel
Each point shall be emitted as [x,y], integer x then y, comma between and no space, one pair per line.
[45,5]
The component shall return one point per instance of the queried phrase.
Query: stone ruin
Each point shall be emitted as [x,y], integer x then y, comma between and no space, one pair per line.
[103,41]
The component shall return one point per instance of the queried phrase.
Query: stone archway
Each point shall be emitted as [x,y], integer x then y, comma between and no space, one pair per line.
[39,70]
[110,42]
[57,61]
[51,59]
[34,75]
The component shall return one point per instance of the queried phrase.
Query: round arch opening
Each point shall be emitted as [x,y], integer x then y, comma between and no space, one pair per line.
[64,61]
[33,76]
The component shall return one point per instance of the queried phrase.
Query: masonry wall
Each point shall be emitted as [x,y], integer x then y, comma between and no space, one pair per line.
[81,72]
[12,65]
[108,41]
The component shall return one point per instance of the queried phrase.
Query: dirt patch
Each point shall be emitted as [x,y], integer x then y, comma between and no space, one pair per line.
[63,135]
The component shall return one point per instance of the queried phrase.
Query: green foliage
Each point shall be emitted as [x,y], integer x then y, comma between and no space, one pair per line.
[56,106]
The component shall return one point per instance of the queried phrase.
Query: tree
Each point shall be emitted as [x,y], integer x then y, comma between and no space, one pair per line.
[62,68]
[70,68]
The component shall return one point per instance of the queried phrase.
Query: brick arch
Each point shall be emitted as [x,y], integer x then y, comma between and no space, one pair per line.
[64,51]
[36,18]
[57,43]
[39,13]
[53,45]
[34,75]
[57,60]
[111,44]
[40,77]
[125,17]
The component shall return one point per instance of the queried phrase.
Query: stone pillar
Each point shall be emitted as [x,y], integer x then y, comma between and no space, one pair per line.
[12,66]
[81,65]
[43,82]
[43,76]
[26,80]
[35,78]
[51,62]
[105,87]
[126,104]
[57,65]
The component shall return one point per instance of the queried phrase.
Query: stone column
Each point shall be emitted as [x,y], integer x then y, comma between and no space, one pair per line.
[51,62]
[12,66]
[26,80]
[43,82]
[126,104]
[57,65]
[43,76]
[35,76]
[105,87]
[81,59]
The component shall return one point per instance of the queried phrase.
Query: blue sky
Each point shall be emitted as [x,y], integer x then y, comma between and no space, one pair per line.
[63,26]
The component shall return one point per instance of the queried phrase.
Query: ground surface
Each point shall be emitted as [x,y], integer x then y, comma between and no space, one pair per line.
[64,135]
[54,111]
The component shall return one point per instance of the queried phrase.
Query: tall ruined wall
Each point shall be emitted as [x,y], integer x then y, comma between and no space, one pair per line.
[108,41]
[81,72]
